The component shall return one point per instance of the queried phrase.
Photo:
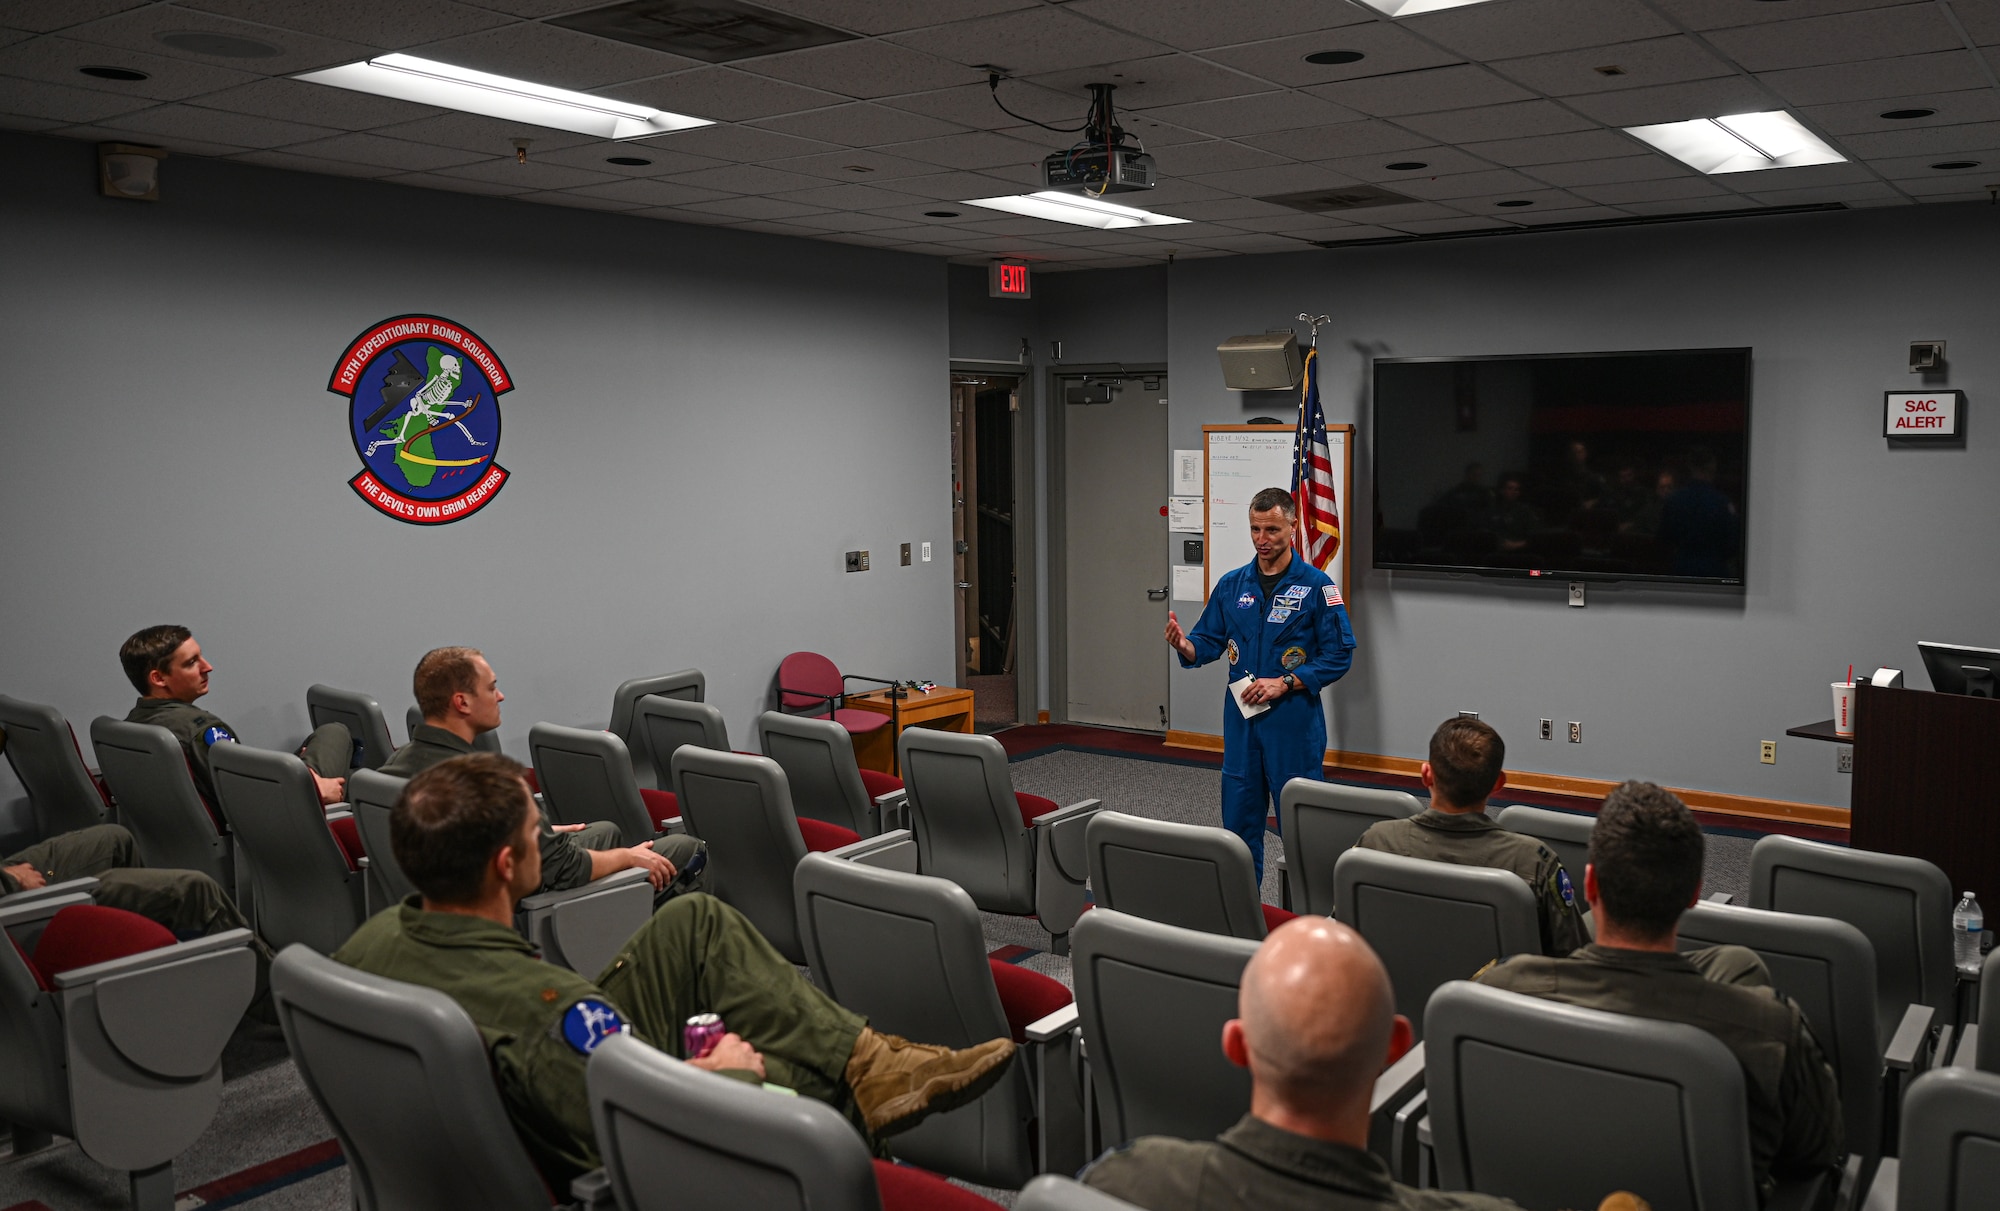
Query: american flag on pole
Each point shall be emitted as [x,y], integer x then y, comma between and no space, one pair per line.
[1312,475]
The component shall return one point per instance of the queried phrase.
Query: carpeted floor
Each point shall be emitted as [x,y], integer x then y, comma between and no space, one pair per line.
[270,1149]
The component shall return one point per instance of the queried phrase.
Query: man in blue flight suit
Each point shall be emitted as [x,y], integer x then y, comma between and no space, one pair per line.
[1281,622]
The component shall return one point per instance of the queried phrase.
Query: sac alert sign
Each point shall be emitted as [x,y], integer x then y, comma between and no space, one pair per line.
[1922,415]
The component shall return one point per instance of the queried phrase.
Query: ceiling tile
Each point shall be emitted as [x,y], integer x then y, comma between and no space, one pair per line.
[314,104]
[1551,149]
[1902,168]
[1797,178]
[1149,130]
[1518,120]
[737,144]
[1639,64]
[1981,19]
[840,165]
[972,149]
[747,178]
[114,131]
[1151,83]
[752,208]
[864,69]
[1535,27]
[1174,190]
[1436,161]
[1693,205]
[848,197]
[61,103]
[1944,71]
[1942,184]
[239,130]
[1940,141]
[549,54]
[1260,114]
[890,16]
[651,193]
[834,220]
[1542,199]
[1859,117]
[313,164]
[675,214]
[1224,209]
[400,24]
[1283,60]
[559,197]
[297,52]
[1721,14]
[859,125]
[957,186]
[1439,226]
[1606,172]
[1277,179]
[427,180]
[973,105]
[503,170]
[1906,29]
[387,152]
[57,60]
[596,158]
[474,132]
[1428,91]
[1572,214]
[1468,185]
[43,16]
[1340,139]
[24,122]
[1292,220]
[1029,42]
[1252,242]
[1619,193]
[1218,155]
[1859,191]
[722,94]
[1675,102]
[1199,24]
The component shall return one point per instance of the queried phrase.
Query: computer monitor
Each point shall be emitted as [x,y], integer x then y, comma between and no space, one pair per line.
[1961,670]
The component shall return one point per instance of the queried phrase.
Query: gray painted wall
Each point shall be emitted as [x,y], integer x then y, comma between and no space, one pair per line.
[1856,550]
[704,420]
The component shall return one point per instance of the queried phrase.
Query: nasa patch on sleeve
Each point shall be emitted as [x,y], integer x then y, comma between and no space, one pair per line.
[588,1023]
[213,735]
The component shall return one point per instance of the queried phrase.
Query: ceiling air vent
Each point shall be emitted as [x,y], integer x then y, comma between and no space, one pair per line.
[715,31]
[1327,201]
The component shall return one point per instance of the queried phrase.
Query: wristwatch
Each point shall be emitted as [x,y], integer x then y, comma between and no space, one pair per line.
[1291,683]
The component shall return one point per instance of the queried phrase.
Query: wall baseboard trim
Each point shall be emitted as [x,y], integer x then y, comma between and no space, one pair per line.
[1719,802]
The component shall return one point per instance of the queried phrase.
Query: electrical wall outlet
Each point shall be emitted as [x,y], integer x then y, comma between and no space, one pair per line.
[927,552]
[1843,758]
[857,561]
[906,555]
[1548,729]
[1767,751]
[1576,593]
[1576,731]
[1468,714]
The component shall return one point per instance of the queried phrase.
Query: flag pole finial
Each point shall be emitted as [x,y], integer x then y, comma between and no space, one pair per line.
[1315,321]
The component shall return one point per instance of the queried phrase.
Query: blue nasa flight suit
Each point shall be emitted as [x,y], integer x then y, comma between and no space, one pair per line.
[1302,630]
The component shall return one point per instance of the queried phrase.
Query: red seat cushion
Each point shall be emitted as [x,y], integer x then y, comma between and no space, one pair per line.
[1026,996]
[907,1188]
[1275,916]
[534,783]
[821,837]
[878,784]
[348,834]
[860,722]
[806,680]
[1033,805]
[83,934]
[661,806]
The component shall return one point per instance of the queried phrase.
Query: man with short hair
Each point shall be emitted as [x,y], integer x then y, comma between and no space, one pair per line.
[1644,872]
[464,834]
[1464,770]
[1281,623]
[459,695]
[1317,1025]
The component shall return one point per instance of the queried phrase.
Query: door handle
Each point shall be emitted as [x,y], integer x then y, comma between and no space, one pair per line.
[1159,594]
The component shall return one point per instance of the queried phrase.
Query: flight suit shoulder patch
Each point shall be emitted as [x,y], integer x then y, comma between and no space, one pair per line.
[1331,592]
[214,735]
[588,1023]
[1563,886]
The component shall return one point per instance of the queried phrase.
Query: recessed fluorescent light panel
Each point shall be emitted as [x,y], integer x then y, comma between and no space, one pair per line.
[1739,142]
[1076,208]
[1410,8]
[426,82]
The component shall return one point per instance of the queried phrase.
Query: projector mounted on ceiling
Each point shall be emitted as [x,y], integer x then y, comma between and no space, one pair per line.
[1105,160]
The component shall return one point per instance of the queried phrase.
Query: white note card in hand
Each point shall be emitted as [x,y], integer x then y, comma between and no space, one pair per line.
[1250,709]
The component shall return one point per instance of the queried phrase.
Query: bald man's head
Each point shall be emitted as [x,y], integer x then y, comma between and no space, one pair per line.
[1318,1016]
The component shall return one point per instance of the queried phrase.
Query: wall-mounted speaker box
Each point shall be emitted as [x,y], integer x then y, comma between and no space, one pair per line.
[1268,361]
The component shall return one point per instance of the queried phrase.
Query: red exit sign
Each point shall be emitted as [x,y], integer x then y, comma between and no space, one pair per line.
[1007,280]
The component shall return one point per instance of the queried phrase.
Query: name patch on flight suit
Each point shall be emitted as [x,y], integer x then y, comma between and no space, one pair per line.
[1294,596]
[214,734]
[588,1023]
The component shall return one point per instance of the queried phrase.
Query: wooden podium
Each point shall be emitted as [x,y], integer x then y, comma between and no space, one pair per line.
[1927,782]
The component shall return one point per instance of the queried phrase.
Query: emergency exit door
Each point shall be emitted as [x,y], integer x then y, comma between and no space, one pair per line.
[1115,552]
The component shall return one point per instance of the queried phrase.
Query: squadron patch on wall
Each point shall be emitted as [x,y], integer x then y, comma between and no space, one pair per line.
[424,413]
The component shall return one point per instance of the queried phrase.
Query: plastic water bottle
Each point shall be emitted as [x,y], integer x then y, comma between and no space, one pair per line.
[1967,922]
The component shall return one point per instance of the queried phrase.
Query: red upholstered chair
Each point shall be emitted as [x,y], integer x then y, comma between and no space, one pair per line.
[827,783]
[906,951]
[1195,876]
[809,683]
[677,1138]
[42,749]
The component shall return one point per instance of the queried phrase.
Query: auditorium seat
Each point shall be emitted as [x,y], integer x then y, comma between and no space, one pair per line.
[111,1033]
[1320,821]
[485,742]
[827,783]
[175,829]
[1950,1144]
[1979,1040]
[586,775]
[304,884]
[905,951]
[1013,854]
[688,685]
[1495,1061]
[810,684]
[1191,875]
[360,714]
[1567,833]
[1052,1193]
[1433,922]
[677,1138]
[41,747]
[665,724]
[371,795]
[403,1076]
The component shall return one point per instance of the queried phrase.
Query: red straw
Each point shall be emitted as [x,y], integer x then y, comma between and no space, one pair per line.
[1850,674]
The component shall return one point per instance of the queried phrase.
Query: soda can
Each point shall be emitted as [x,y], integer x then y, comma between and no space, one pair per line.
[702,1032]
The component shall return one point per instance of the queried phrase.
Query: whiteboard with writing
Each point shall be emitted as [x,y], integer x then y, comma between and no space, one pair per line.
[1243,460]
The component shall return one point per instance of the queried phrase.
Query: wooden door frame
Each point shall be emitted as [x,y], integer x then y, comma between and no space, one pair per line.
[1026,635]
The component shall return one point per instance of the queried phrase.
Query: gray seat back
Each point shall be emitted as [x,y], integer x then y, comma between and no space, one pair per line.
[688,685]
[1432,922]
[1987,1054]
[35,1094]
[1950,1154]
[1191,875]
[304,890]
[905,951]
[402,1074]
[1052,1193]
[676,1138]
[146,769]
[373,796]
[362,717]
[1902,904]
[966,819]
[665,724]
[1567,833]
[485,742]
[586,776]
[1323,820]
[1152,999]
[818,759]
[1828,967]
[742,807]
[42,749]
[1488,1054]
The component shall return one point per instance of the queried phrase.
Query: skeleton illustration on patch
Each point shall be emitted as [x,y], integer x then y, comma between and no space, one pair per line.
[588,1023]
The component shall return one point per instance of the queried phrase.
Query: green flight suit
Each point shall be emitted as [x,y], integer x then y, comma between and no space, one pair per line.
[1473,839]
[185,901]
[1255,1166]
[328,752]
[565,865]
[1794,1102]
[696,955]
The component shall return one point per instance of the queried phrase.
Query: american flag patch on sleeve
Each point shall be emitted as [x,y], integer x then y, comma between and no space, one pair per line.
[1332,594]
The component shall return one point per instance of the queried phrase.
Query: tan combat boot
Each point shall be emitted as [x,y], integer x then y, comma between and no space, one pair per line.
[897,1084]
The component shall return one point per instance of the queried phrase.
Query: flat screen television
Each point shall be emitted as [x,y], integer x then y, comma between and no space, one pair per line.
[1580,466]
